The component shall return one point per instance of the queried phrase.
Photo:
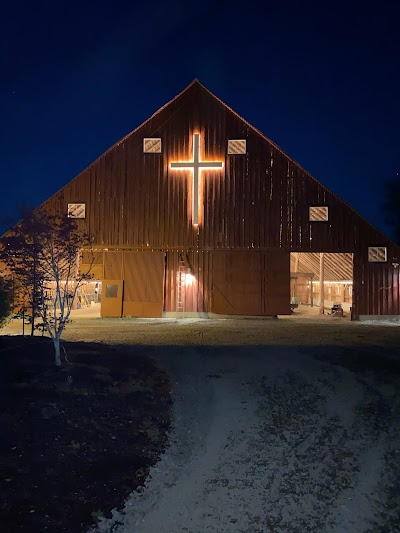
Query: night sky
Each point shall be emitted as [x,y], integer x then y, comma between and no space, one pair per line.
[321,80]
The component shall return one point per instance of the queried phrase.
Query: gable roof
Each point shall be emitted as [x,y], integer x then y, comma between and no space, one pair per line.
[196,84]
[371,234]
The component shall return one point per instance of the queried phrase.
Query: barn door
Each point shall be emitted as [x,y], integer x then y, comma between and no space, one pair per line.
[111,298]
[143,284]
[236,283]
[276,283]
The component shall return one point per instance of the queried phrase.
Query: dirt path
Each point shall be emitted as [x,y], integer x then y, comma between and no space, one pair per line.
[282,426]
[268,439]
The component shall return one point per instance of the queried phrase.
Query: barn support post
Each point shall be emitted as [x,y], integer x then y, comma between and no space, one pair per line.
[321,285]
[312,292]
[296,269]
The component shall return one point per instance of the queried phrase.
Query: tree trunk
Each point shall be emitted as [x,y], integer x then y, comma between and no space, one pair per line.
[33,322]
[33,297]
[57,352]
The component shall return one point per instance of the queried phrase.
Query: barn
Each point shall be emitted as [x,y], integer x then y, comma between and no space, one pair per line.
[197,212]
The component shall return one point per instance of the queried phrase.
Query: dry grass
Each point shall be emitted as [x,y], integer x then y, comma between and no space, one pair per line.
[294,331]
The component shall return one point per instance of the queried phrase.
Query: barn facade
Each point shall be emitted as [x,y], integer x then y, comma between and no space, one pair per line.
[196,211]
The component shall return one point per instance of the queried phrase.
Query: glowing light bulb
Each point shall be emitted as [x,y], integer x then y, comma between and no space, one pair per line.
[189,279]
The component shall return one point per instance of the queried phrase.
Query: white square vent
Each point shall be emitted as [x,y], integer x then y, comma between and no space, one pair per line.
[77,210]
[236,146]
[377,254]
[152,145]
[318,213]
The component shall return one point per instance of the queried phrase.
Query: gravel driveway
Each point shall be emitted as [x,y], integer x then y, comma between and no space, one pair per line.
[270,439]
[285,425]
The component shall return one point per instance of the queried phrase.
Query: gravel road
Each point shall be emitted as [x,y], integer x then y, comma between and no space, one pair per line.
[270,439]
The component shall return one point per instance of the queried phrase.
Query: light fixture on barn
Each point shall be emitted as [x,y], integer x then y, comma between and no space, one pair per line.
[189,278]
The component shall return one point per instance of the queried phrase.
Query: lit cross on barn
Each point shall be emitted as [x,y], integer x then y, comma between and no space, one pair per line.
[196,166]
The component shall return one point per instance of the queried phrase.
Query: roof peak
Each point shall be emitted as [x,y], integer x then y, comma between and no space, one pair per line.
[195,81]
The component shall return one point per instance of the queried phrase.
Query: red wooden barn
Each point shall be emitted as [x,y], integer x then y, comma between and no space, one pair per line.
[196,211]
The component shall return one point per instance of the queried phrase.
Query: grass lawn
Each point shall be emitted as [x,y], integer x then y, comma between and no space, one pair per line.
[75,441]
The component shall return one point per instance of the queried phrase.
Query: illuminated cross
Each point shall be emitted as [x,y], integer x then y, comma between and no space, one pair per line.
[196,166]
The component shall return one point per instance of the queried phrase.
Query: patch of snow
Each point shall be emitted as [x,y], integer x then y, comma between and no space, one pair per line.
[389,322]
[193,320]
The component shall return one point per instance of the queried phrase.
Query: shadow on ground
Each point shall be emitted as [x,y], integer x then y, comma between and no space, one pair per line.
[77,440]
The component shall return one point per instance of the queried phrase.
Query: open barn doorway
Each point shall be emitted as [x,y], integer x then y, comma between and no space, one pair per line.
[88,300]
[321,283]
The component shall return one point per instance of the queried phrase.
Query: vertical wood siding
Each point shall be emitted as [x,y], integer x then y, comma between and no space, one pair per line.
[377,285]
[197,295]
[259,201]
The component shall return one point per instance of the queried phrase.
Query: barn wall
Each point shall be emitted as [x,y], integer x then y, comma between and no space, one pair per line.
[377,285]
[260,201]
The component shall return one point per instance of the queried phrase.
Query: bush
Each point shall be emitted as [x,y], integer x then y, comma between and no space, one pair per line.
[6,300]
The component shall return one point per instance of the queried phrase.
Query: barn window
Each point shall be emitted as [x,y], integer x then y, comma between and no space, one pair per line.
[318,213]
[236,146]
[152,145]
[77,210]
[111,291]
[377,254]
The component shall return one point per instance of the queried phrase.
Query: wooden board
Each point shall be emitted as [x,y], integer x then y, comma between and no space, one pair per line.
[251,283]
[143,284]
[111,298]
[276,283]
[236,283]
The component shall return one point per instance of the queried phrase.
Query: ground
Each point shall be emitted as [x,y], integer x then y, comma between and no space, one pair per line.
[75,441]
[285,425]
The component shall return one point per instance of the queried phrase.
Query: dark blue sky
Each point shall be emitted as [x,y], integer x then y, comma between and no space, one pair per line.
[322,81]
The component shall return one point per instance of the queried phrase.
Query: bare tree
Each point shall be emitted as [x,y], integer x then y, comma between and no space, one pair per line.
[42,254]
